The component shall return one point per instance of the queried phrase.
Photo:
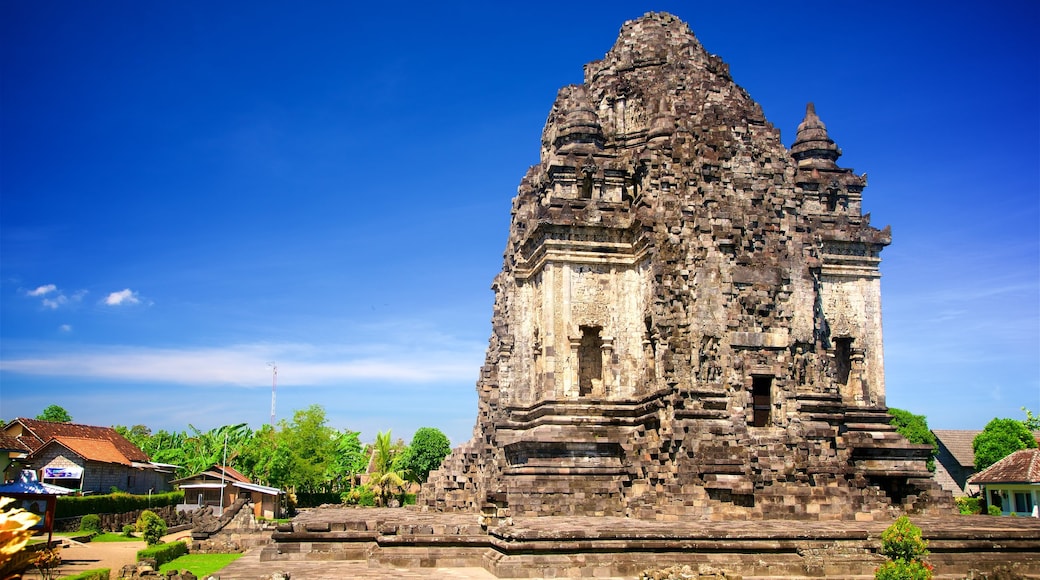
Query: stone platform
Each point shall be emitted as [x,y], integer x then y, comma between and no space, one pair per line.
[552,547]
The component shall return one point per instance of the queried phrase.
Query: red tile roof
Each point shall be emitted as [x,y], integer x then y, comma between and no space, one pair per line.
[91,449]
[8,443]
[38,433]
[1020,467]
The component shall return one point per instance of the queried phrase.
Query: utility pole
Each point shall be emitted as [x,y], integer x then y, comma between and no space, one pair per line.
[274,388]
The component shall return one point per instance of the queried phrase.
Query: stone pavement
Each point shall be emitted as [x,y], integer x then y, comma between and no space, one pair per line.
[249,567]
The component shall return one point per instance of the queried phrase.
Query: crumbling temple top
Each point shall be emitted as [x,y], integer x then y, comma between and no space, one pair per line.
[688,318]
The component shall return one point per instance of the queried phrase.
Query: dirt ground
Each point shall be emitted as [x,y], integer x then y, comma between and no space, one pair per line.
[78,557]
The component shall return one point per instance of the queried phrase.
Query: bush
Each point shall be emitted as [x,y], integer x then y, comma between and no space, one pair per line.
[362,496]
[163,553]
[903,545]
[902,541]
[151,526]
[90,523]
[900,570]
[117,503]
[99,574]
[128,531]
[969,505]
[994,510]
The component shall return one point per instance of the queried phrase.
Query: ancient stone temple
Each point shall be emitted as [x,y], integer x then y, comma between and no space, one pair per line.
[688,318]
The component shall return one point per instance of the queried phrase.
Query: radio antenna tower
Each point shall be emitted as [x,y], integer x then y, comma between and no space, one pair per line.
[274,388]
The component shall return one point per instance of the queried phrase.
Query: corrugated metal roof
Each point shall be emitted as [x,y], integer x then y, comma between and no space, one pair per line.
[27,483]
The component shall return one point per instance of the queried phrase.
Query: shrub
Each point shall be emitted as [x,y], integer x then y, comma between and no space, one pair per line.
[363,496]
[99,574]
[128,531]
[47,562]
[903,545]
[151,526]
[994,510]
[118,503]
[90,523]
[163,553]
[900,570]
[902,541]
[969,505]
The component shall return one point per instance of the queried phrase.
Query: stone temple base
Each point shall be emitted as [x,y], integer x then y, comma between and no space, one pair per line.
[583,547]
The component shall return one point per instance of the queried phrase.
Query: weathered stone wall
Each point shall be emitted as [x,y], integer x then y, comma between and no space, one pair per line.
[688,318]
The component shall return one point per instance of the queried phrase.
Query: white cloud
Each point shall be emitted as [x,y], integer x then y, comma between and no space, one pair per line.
[52,297]
[246,365]
[125,296]
[65,328]
[42,290]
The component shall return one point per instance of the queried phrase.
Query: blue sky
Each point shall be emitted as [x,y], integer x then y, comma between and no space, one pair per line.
[191,190]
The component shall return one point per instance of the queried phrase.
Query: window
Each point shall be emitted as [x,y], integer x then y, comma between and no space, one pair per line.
[761,400]
[1023,501]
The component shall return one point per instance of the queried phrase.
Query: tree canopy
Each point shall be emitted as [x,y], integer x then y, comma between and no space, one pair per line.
[915,429]
[303,455]
[425,453]
[56,414]
[1000,438]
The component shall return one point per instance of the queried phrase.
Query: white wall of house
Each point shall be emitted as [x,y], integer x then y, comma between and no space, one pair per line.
[1018,499]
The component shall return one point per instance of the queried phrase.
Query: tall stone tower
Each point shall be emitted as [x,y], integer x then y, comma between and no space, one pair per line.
[688,318]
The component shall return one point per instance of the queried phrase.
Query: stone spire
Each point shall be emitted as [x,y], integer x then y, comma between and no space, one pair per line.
[688,320]
[813,147]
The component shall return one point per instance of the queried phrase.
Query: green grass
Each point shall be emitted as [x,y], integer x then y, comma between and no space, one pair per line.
[114,537]
[200,564]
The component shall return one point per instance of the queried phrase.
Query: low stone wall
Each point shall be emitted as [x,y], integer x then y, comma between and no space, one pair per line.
[961,546]
[236,531]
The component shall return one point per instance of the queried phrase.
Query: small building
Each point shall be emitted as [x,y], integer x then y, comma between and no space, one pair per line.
[955,460]
[1013,483]
[87,458]
[219,486]
[11,453]
[36,498]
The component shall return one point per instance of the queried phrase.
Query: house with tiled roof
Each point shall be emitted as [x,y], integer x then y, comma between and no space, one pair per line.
[219,487]
[88,458]
[955,460]
[10,452]
[1013,483]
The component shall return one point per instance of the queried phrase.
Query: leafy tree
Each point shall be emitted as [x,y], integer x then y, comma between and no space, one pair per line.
[256,457]
[348,461]
[915,429]
[1032,422]
[305,448]
[1000,438]
[425,453]
[56,414]
[386,476]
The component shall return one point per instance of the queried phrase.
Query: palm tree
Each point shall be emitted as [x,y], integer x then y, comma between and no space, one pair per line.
[386,477]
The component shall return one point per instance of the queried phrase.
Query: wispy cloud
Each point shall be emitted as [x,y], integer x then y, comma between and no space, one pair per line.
[125,296]
[246,365]
[52,297]
[65,328]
